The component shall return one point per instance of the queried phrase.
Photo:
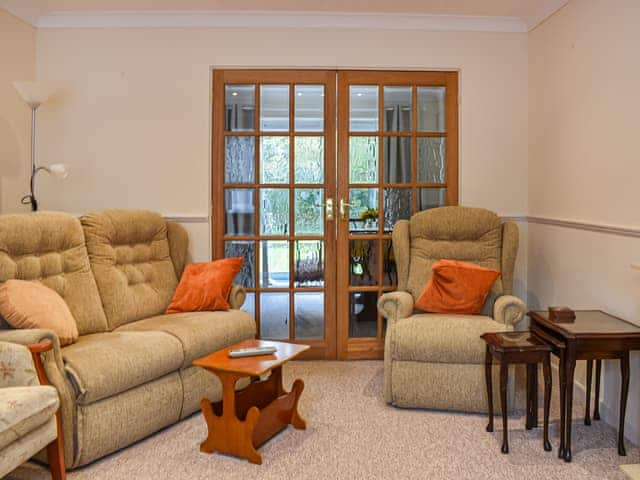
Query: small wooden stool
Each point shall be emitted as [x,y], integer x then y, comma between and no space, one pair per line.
[512,348]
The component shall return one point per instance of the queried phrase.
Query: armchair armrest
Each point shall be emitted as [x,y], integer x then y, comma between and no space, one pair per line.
[508,310]
[44,345]
[395,305]
[237,296]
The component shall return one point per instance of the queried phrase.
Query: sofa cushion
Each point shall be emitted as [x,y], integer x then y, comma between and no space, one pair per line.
[456,233]
[105,364]
[23,409]
[200,333]
[130,257]
[442,338]
[49,248]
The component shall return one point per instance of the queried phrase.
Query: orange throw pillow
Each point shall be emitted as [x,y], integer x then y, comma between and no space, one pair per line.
[457,287]
[25,304]
[205,286]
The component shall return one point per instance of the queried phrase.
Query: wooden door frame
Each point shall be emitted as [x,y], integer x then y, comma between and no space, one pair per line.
[325,348]
[373,348]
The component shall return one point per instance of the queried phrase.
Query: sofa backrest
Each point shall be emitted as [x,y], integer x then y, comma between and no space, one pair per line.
[468,234]
[49,247]
[130,257]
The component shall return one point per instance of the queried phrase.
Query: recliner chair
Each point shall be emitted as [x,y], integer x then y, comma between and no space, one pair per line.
[437,360]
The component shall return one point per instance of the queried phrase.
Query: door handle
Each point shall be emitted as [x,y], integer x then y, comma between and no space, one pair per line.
[344,209]
[328,207]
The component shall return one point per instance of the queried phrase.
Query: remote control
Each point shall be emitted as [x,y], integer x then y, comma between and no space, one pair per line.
[251,352]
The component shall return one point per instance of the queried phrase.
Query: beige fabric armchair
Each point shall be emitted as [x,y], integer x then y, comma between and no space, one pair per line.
[437,360]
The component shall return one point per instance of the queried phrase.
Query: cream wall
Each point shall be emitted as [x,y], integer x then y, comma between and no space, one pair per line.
[583,165]
[134,120]
[17,62]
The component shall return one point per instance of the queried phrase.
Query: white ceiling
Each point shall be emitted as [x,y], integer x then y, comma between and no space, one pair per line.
[50,12]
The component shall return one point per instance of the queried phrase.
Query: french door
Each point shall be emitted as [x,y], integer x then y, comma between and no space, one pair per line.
[312,222]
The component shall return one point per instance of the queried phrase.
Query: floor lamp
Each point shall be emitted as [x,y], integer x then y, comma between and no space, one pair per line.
[35,94]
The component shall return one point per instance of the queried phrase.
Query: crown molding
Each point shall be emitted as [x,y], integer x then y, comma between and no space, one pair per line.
[264,19]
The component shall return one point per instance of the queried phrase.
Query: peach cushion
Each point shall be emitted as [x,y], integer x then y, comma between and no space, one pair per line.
[205,286]
[26,304]
[457,287]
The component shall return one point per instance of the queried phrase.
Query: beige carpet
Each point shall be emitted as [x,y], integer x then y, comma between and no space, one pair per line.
[353,434]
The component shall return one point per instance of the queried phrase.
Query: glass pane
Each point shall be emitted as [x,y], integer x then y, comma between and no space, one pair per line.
[274,215]
[249,305]
[308,155]
[240,107]
[397,159]
[363,213]
[397,109]
[246,250]
[308,263]
[363,314]
[431,198]
[431,109]
[239,159]
[363,108]
[274,315]
[309,312]
[397,206]
[431,159]
[363,262]
[363,160]
[274,108]
[309,216]
[274,159]
[389,271]
[274,264]
[309,108]
[239,211]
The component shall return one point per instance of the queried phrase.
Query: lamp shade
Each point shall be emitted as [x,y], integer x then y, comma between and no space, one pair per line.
[34,93]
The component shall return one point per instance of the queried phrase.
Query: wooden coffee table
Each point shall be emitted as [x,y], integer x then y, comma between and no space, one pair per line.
[247,418]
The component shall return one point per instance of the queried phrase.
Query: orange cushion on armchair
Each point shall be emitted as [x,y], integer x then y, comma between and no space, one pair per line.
[457,287]
[205,286]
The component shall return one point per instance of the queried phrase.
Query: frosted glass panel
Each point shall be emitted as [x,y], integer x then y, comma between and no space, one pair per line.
[308,263]
[363,160]
[274,211]
[309,159]
[397,206]
[309,211]
[274,160]
[239,159]
[246,250]
[431,160]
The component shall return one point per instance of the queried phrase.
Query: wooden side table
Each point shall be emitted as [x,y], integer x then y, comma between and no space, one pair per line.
[514,348]
[247,418]
[594,335]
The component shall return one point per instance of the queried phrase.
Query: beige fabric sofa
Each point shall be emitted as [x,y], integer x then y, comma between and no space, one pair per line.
[437,360]
[129,374]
